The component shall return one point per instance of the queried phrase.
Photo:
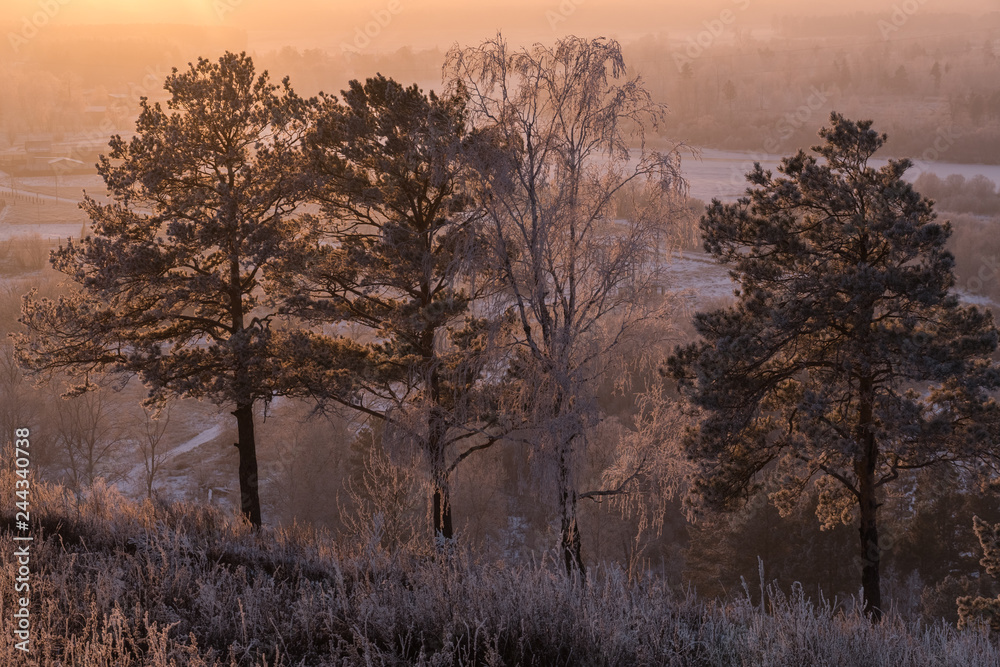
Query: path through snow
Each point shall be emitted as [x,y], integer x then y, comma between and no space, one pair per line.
[137,475]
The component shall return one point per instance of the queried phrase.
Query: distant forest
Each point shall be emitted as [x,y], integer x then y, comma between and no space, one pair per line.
[752,89]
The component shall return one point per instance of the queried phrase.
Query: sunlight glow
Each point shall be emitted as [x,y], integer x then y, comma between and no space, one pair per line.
[120,11]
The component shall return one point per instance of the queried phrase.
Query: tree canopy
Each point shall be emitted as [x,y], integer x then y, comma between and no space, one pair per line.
[400,236]
[847,358]
[171,282]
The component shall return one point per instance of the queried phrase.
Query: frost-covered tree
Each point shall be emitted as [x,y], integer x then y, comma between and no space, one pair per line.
[571,125]
[847,358]
[17,404]
[971,608]
[148,435]
[170,284]
[400,234]
[90,439]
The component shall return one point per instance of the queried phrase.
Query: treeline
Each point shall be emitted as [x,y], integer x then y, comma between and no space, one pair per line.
[974,239]
[471,243]
[737,88]
[977,195]
[481,274]
[739,91]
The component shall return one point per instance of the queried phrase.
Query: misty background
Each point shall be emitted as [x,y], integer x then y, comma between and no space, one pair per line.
[744,80]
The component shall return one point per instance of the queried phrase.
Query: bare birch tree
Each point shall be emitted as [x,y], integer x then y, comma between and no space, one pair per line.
[89,439]
[149,434]
[17,405]
[572,126]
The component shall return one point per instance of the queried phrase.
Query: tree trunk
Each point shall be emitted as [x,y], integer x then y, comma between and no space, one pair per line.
[570,530]
[437,430]
[247,446]
[870,556]
[441,502]
[571,547]
[443,529]
[864,469]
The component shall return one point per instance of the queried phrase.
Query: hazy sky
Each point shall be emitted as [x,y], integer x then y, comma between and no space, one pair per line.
[394,23]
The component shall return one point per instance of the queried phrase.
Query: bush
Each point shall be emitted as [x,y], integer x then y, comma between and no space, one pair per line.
[120,583]
[22,255]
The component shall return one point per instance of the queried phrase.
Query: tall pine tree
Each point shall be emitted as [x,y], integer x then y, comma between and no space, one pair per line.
[171,281]
[400,239]
[847,358]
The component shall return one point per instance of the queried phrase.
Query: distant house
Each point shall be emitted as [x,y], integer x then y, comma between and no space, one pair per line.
[45,158]
[38,154]
[64,165]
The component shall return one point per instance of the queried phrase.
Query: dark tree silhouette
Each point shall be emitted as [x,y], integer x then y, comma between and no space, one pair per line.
[400,234]
[171,283]
[847,359]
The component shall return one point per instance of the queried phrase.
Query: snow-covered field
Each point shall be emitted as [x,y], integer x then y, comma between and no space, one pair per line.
[699,277]
[721,174]
[134,480]
[707,281]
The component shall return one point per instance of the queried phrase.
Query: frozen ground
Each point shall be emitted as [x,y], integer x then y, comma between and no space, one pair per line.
[706,281]
[698,277]
[137,475]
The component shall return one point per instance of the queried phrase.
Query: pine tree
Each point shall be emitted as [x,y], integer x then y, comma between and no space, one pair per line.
[400,234]
[847,357]
[171,279]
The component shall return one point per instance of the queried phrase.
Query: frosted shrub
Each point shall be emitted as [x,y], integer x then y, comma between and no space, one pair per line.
[120,583]
[973,610]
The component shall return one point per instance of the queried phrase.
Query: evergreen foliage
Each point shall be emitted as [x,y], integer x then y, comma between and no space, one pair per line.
[170,283]
[400,235]
[980,608]
[847,358]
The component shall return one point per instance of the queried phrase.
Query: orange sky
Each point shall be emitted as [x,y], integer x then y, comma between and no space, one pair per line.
[327,23]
